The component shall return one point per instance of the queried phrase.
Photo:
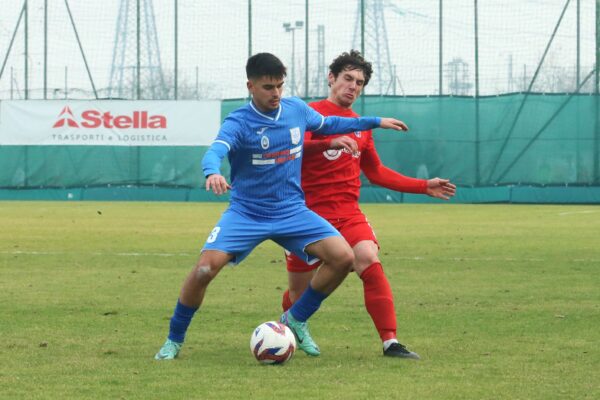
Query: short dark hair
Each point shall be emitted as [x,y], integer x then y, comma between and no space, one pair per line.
[350,61]
[265,64]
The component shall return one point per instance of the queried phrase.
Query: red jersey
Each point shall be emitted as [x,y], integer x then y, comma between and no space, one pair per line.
[331,178]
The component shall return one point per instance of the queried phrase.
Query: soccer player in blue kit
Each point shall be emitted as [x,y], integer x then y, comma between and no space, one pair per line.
[263,141]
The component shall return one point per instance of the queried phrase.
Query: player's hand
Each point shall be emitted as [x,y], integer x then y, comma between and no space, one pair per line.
[344,143]
[217,184]
[391,123]
[440,188]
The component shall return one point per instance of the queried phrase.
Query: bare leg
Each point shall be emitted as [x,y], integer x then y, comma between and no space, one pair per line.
[337,257]
[190,298]
[298,282]
[365,253]
[194,287]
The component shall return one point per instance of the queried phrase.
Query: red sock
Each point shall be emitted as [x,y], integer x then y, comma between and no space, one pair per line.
[286,302]
[379,301]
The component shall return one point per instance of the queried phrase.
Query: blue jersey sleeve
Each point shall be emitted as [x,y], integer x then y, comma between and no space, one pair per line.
[334,125]
[211,162]
[228,139]
[230,132]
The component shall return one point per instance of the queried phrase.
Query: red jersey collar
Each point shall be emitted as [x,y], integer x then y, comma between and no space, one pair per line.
[334,109]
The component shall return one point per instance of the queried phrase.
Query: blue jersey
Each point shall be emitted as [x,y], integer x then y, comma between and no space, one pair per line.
[265,154]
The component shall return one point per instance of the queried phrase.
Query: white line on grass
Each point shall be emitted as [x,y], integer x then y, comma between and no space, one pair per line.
[45,253]
[562,214]
[147,254]
[478,259]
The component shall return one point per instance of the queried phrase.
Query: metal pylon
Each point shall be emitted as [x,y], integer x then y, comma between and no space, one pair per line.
[376,46]
[123,72]
[319,81]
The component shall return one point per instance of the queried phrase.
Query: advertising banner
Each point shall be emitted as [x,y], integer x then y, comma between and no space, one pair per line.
[109,122]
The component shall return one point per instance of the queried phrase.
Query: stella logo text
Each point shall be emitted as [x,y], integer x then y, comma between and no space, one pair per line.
[95,119]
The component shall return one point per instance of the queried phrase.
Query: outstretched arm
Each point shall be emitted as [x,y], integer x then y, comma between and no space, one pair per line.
[383,176]
[380,175]
[336,125]
[332,124]
[440,188]
[211,163]
[395,124]
[388,178]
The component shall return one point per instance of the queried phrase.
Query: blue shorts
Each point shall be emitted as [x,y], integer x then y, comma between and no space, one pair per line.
[239,233]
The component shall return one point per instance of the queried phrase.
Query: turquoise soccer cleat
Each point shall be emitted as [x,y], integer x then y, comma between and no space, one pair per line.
[168,351]
[303,338]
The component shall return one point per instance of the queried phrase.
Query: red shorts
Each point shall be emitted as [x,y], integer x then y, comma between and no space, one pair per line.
[354,229]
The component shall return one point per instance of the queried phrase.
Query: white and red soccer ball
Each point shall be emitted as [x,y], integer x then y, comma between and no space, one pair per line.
[272,343]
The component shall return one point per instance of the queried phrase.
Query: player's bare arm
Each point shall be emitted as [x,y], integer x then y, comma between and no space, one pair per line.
[217,183]
[395,124]
[440,188]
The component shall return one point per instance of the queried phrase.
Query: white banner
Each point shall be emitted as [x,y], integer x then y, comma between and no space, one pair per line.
[109,123]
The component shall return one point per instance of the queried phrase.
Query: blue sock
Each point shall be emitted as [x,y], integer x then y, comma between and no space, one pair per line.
[307,304]
[182,316]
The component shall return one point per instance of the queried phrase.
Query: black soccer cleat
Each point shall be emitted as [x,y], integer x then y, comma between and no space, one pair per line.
[399,350]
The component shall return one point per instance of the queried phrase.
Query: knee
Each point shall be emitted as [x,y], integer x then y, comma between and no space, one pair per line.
[204,273]
[345,260]
[364,260]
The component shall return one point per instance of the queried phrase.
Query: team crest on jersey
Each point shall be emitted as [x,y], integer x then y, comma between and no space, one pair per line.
[295,134]
[332,154]
[264,142]
[357,133]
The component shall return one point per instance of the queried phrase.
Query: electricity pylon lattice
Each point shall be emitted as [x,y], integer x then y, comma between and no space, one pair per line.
[123,72]
[377,49]
[319,81]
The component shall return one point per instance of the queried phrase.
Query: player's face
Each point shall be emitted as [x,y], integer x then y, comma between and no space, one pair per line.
[346,88]
[266,92]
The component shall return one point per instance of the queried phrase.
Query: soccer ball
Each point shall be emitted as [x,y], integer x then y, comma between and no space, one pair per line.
[272,343]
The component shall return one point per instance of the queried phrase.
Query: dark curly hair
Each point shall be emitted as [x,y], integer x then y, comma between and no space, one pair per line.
[351,61]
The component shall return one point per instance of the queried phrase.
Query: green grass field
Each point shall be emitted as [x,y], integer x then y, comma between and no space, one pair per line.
[502,302]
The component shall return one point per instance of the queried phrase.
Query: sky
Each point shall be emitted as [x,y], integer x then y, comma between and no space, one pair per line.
[402,40]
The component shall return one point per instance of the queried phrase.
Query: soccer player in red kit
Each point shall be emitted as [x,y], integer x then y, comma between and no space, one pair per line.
[331,183]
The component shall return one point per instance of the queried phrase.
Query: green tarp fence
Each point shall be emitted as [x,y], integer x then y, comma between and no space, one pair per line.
[546,153]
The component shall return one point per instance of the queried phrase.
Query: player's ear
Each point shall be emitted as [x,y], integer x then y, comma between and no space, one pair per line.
[249,85]
[330,79]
